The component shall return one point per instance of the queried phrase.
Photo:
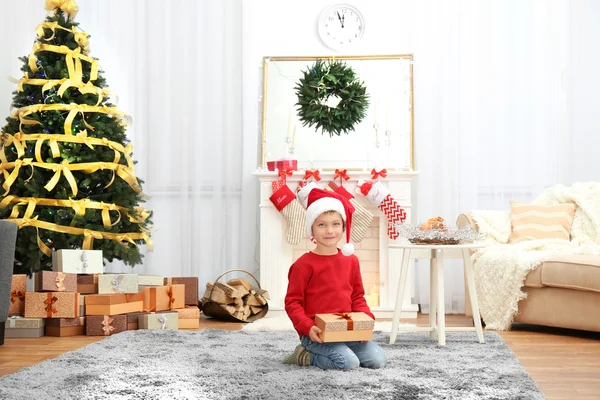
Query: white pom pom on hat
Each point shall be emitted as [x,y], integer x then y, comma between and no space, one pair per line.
[320,201]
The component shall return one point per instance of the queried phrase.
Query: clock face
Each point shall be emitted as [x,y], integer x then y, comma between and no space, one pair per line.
[341,26]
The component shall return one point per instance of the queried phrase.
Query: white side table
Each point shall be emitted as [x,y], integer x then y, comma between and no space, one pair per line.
[437,326]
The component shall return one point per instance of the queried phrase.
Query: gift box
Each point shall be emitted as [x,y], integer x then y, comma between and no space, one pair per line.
[82,304]
[65,331]
[163,321]
[87,284]
[189,317]
[51,305]
[63,327]
[345,327]
[283,164]
[162,298]
[118,283]
[132,320]
[52,281]
[191,288]
[17,295]
[151,280]
[105,325]
[19,327]
[110,304]
[78,261]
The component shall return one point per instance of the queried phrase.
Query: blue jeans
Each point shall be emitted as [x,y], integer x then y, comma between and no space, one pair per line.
[345,355]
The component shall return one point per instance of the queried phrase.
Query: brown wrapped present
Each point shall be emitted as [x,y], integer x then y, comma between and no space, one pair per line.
[110,304]
[64,322]
[17,295]
[65,331]
[62,327]
[19,327]
[168,320]
[51,305]
[132,320]
[118,283]
[191,288]
[88,279]
[345,327]
[105,325]
[162,298]
[51,281]
[189,317]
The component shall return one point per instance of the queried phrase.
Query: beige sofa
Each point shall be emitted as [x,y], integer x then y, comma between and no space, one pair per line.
[562,292]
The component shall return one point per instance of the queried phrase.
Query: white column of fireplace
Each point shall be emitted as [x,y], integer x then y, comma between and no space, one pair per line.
[276,254]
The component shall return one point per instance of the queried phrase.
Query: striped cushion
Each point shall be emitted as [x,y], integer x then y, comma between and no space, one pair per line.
[530,221]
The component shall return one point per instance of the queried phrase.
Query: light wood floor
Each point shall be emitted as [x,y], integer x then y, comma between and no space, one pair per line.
[565,364]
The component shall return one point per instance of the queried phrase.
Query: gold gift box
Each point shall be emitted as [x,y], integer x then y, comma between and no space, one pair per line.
[51,305]
[162,298]
[345,327]
[53,281]
[25,323]
[117,283]
[162,321]
[17,295]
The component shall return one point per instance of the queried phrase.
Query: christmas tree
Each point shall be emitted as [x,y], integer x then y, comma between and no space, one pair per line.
[67,172]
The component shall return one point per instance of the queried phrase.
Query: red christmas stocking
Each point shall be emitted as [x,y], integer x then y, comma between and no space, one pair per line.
[379,196]
[287,204]
[361,218]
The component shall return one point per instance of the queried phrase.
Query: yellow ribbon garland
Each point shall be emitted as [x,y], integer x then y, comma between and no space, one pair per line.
[63,168]
[72,57]
[73,109]
[80,37]
[89,235]
[78,206]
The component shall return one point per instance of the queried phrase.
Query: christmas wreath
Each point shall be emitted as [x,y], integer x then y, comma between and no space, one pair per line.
[331,98]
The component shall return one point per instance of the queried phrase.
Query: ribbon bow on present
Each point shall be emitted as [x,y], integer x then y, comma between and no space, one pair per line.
[164,321]
[316,175]
[106,325]
[60,281]
[116,283]
[84,260]
[14,295]
[342,175]
[376,175]
[50,309]
[348,318]
[171,297]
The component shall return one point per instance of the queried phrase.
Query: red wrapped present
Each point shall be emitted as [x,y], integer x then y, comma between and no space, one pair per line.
[283,164]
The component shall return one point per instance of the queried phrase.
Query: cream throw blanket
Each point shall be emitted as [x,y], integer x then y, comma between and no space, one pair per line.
[500,269]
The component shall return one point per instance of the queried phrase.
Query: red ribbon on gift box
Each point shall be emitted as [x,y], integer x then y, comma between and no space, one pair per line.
[348,318]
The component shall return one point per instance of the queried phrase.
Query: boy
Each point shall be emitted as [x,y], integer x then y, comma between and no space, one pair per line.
[327,280]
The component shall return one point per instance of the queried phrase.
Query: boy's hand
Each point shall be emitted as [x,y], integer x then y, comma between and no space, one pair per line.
[313,334]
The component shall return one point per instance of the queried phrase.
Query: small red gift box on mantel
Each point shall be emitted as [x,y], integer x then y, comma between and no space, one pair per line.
[283,164]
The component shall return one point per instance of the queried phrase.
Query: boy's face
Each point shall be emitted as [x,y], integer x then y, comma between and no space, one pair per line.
[328,229]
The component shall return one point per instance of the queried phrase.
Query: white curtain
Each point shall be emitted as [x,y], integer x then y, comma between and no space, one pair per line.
[176,67]
[494,97]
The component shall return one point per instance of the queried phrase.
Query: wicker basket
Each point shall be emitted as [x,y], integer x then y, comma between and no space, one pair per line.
[217,311]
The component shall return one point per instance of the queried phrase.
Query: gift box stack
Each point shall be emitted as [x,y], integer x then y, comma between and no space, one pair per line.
[78,298]
[55,307]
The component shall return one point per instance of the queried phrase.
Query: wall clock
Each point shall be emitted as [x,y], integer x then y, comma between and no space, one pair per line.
[341,26]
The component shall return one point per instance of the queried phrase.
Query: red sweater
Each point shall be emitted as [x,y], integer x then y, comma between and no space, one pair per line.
[322,285]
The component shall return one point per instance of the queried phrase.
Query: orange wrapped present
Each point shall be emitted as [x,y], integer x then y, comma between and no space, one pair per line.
[51,305]
[162,298]
[345,327]
[17,295]
[110,304]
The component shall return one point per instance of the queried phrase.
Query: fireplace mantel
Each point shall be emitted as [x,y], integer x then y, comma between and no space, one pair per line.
[276,254]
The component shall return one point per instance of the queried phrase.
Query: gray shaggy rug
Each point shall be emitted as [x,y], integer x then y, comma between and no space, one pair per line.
[217,364]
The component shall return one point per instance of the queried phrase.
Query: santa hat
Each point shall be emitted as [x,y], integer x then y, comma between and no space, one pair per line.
[320,201]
